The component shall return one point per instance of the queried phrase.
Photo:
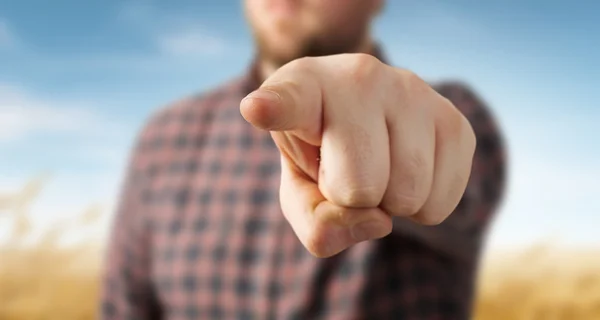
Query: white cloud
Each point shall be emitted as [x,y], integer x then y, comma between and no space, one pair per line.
[137,13]
[7,37]
[22,115]
[190,42]
[71,190]
[173,41]
[174,34]
[441,19]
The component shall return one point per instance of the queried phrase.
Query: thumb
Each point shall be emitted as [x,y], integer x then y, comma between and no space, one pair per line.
[293,104]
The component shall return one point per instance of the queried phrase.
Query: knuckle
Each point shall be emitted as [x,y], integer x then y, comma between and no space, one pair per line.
[358,196]
[408,189]
[457,127]
[411,81]
[303,64]
[364,67]
[364,60]
[316,244]
[411,78]
[404,204]
[458,186]
[456,124]
[456,190]
[416,163]
[398,81]
[410,88]
[469,135]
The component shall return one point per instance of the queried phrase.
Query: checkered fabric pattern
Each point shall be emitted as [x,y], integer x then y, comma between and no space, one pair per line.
[199,233]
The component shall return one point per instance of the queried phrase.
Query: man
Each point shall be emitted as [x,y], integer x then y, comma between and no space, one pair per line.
[311,188]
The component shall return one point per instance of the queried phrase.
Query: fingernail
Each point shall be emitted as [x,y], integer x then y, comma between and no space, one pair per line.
[266,95]
[368,230]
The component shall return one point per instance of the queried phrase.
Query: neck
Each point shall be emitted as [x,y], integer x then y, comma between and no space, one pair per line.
[267,67]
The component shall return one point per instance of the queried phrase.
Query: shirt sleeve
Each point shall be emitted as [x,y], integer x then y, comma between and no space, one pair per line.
[462,234]
[126,291]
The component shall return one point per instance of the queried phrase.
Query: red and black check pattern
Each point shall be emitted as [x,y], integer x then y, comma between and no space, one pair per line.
[199,233]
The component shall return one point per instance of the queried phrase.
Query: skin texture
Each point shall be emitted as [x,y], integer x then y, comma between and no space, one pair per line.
[360,141]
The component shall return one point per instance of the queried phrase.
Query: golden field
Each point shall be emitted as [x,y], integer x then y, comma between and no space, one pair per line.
[47,280]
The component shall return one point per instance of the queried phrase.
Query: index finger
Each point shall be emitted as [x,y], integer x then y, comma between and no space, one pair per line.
[289,100]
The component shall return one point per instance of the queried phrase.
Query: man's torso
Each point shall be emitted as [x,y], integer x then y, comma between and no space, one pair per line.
[220,247]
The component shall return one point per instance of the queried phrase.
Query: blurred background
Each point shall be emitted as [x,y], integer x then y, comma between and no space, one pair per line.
[79,78]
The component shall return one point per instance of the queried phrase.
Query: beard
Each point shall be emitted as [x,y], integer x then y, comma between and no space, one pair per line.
[308,46]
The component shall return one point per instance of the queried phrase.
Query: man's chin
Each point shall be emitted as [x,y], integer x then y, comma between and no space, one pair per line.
[282,55]
[284,50]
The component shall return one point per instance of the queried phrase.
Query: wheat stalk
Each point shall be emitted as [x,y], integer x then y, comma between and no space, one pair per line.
[49,281]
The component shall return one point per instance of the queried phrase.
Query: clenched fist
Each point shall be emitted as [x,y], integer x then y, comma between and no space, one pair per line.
[360,142]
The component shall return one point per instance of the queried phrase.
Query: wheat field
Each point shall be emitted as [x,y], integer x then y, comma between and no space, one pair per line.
[46,280]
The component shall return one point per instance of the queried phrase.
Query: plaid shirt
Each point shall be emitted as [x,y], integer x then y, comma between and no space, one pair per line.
[199,233]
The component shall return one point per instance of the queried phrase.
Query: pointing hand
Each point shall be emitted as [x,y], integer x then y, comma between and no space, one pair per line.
[360,142]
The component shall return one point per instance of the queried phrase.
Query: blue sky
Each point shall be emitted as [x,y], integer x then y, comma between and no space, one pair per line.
[79,78]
